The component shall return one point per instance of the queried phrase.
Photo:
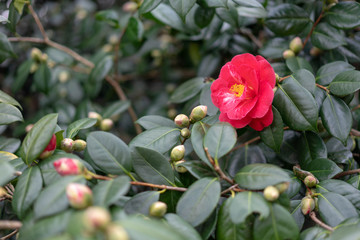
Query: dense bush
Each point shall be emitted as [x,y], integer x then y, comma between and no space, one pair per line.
[164,119]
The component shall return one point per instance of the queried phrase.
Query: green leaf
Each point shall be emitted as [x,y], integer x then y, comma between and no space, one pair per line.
[6,172]
[312,147]
[345,83]
[148,6]
[187,90]
[165,14]
[296,213]
[19,5]
[38,138]
[22,75]
[272,135]
[5,98]
[109,16]
[52,198]
[327,37]
[199,201]
[314,233]
[161,139]
[344,15]
[135,29]
[9,144]
[198,132]
[296,105]
[182,227]
[274,48]
[3,19]
[6,50]
[198,169]
[76,126]
[259,176]
[109,152]
[42,78]
[334,208]
[115,109]
[328,72]
[182,7]
[98,73]
[9,114]
[152,167]
[323,168]
[153,121]
[27,190]
[205,99]
[109,192]
[220,139]
[336,117]
[286,19]
[215,3]
[247,203]
[13,17]
[203,16]
[250,8]
[278,225]
[297,63]
[141,202]
[346,232]
[306,79]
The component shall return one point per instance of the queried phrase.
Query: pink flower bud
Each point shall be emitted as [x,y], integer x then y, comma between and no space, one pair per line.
[68,166]
[288,54]
[79,195]
[198,113]
[158,209]
[130,7]
[307,205]
[96,218]
[67,145]
[50,148]
[310,181]
[182,120]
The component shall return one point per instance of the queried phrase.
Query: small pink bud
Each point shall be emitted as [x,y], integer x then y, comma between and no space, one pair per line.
[271,193]
[182,120]
[79,145]
[130,7]
[79,195]
[310,181]
[50,148]
[198,113]
[307,205]
[185,133]
[96,218]
[29,127]
[158,209]
[116,232]
[177,153]
[296,45]
[106,124]
[288,54]
[67,145]
[96,116]
[69,166]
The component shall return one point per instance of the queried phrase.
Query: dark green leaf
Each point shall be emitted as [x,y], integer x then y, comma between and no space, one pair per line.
[296,213]
[42,78]
[141,202]
[115,109]
[312,147]
[336,117]
[9,144]
[5,98]
[76,126]
[148,5]
[328,72]
[344,15]
[297,63]
[198,169]
[182,7]
[187,90]
[272,135]
[327,37]
[98,73]
[135,29]
[153,121]
[345,83]
[314,233]
[258,176]
[6,50]
[323,168]
[13,17]
[198,132]
[165,14]
[109,16]
[199,201]
[182,227]
[250,8]
[203,16]
[22,75]
[274,48]
[306,79]
[109,192]
[9,114]
[6,172]
[205,99]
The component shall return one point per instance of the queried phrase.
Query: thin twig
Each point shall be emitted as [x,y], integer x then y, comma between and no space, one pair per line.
[37,20]
[9,235]
[319,222]
[355,132]
[322,87]
[6,224]
[180,189]
[217,168]
[355,108]
[312,29]
[245,143]
[345,173]
[283,78]
[232,188]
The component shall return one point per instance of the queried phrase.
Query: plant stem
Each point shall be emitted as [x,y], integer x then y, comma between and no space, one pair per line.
[345,173]
[217,168]
[319,222]
[180,189]
[38,23]
[6,224]
[283,78]
[9,235]
[312,29]
[355,132]
[322,87]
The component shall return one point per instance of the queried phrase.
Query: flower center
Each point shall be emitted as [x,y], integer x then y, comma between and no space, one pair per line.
[237,89]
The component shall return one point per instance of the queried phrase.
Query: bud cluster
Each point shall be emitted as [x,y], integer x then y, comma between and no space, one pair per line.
[104,124]
[69,145]
[272,193]
[295,47]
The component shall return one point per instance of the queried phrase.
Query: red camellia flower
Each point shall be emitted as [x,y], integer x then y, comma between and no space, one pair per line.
[244,92]
[50,148]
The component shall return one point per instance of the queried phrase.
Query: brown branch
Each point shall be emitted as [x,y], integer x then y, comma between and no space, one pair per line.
[5,224]
[38,23]
[319,222]
[355,132]
[345,173]
[355,108]
[322,87]
[9,235]
[245,143]
[217,168]
[180,189]
[312,29]
[283,78]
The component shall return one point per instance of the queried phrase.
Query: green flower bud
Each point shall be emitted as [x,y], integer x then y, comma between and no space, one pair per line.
[314,51]
[182,121]
[44,57]
[179,168]
[96,218]
[158,209]
[113,39]
[198,113]
[79,145]
[116,232]
[106,124]
[282,187]
[288,54]
[36,54]
[67,145]
[64,76]
[177,153]
[310,181]
[296,45]
[185,133]
[307,205]
[96,116]
[171,113]
[271,193]
[34,67]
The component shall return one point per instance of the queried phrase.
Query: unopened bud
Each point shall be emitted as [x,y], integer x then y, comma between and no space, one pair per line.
[282,187]
[79,145]
[130,7]
[271,193]
[64,76]
[113,39]
[36,54]
[29,127]
[277,77]
[96,218]
[106,124]
[185,133]
[67,145]
[314,51]
[307,205]
[116,232]
[50,148]
[51,63]
[177,153]
[198,113]
[3,192]
[68,166]
[310,181]
[182,120]
[158,209]
[179,168]
[96,116]
[288,54]
[107,48]
[310,192]
[44,57]
[79,195]
[296,45]
[171,113]
[34,67]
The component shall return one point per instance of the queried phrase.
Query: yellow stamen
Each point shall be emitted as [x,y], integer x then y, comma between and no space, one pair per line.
[237,89]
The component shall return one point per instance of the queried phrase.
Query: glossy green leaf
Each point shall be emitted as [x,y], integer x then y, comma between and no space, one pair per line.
[220,139]
[182,7]
[258,176]
[344,15]
[9,144]
[203,16]
[199,201]
[9,114]
[182,227]
[328,72]
[153,121]
[215,3]
[278,225]
[76,126]
[312,147]
[52,199]
[336,117]
[152,166]
[115,109]
[296,213]
[346,233]
[205,99]
[42,78]
[98,73]
[323,168]
[286,19]
[272,135]
[165,14]
[6,50]
[13,17]
[22,75]
[326,37]
[314,233]
[38,138]
[6,172]
[19,5]
[345,83]
[198,169]
[296,105]
[246,203]
[109,16]
[161,139]
[250,9]
[306,79]
[148,5]
[187,90]
[135,30]
[109,152]
[297,63]
[198,132]
[5,98]
[334,208]
[274,48]
[141,202]
[109,192]
[27,190]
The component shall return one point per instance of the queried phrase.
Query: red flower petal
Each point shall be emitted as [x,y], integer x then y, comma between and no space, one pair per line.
[239,123]
[266,72]
[266,96]
[259,124]
[245,59]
